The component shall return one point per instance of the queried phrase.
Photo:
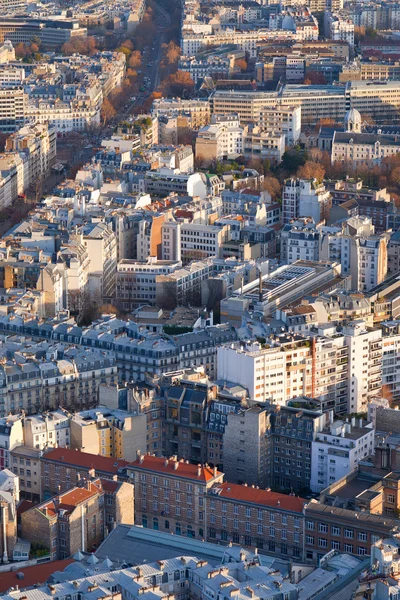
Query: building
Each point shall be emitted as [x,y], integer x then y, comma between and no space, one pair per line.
[25,463]
[259,143]
[101,245]
[282,119]
[13,106]
[50,429]
[221,140]
[111,433]
[69,522]
[171,494]
[11,435]
[300,241]
[62,468]
[255,517]
[337,449]
[305,198]
[8,524]
[52,32]
[199,242]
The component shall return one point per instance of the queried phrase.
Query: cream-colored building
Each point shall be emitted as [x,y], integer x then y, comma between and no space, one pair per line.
[222,139]
[113,433]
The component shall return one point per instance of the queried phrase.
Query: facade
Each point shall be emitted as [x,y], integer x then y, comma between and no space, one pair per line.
[101,245]
[282,119]
[222,139]
[13,108]
[62,469]
[300,241]
[50,429]
[337,449]
[171,494]
[305,198]
[69,522]
[25,462]
[111,433]
[11,435]
[263,144]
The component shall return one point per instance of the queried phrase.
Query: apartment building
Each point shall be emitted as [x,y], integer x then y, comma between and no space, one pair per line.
[337,450]
[300,241]
[221,139]
[136,281]
[338,28]
[201,241]
[111,433]
[332,528]
[38,143]
[305,198]
[282,119]
[25,463]
[262,144]
[171,494]
[293,429]
[366,149]
[69,522]
[62,468]
[256,517]
[195,113]
[369,261]
[11,435]
[47,430]
[42,385]
[13,108]
[101,245]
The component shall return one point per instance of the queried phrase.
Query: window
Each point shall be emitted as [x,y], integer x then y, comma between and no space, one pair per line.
[335,545]
[323,528]
[362,536]
[310,525]
[322,543]
[335,530]
[309,540]
[349,534]
[348,548]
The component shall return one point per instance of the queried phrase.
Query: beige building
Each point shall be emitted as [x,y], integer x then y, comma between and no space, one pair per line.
[25,462]
[112,433]
[222,139]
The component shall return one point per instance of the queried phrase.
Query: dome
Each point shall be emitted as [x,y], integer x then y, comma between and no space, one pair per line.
[352,120]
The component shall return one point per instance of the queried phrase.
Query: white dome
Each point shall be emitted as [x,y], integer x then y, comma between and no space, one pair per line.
[352,120]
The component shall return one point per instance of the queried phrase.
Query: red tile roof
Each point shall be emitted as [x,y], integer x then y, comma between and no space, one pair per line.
[109,486]
[32,575]
[244,493]
[85,460]
[68,500]
[184,469]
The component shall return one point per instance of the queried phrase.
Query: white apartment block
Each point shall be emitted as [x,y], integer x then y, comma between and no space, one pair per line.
[365,364]
[368,261]
[136,281]
[282,119]
[222,139]
[65,116]
[263,145]
[13,108]
[101,245]
[390,362]
[337,450]
[201,241]
[47,430]
[338,28]
[305,198]
[171,240]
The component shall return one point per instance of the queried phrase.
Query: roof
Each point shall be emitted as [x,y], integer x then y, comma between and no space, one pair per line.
[233,491]
[67,501]
[85,460]
[32,575]
[183,469]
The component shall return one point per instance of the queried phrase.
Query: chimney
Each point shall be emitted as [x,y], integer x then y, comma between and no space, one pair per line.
[215,471]
[141,459]
[176,465]
[198,470]
[166,462]
[138,454]
[353,421]
[360,422]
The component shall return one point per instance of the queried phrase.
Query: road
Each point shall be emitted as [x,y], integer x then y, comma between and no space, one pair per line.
[151,57]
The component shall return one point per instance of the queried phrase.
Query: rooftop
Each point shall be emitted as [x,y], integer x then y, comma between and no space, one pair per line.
[85,460]
[233,491]
[32,575]
[176,468]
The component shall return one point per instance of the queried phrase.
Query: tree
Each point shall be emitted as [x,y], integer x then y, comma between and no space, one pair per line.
[135,60]
[311,170]
[178,84]
[172,52]
[271,184]
[107,111]
[293,158]
[241,63]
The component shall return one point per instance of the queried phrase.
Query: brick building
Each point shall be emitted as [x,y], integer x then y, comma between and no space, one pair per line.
[254,517]
[171,494]
[25,462]
[62,468]
[119,503]
[332,528]
[69,522]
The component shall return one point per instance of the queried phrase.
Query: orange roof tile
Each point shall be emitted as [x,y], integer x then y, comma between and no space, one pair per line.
[68,500]
[85,460]
[186,470]
[32,575]
[244,493]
